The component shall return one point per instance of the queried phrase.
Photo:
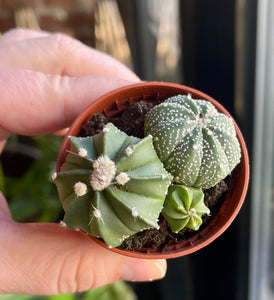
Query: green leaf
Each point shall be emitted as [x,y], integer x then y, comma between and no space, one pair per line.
[40,202]
[36,297]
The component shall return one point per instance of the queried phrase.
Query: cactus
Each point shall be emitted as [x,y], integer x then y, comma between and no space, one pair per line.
[112,185]
[184,207]
[197,144]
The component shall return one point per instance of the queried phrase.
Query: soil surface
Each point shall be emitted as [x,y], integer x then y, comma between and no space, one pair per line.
[131,121]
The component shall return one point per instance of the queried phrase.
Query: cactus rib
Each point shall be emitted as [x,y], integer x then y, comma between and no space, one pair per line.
[112,185]
[197,144]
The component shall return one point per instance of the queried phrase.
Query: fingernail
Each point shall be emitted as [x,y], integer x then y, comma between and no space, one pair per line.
[144,270]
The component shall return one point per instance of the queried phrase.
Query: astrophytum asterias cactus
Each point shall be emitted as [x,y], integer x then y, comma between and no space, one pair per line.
[184,207]
[197,144]
[112,185]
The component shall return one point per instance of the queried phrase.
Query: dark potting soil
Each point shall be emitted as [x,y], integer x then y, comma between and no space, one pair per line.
[131,121]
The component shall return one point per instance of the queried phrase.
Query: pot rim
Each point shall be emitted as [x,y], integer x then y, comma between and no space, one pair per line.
[225,216]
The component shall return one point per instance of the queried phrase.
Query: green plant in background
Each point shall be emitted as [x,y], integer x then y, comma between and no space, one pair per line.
[112,185]
[2,184]
[197,144]
[184,207]
[116,291]
[38,203]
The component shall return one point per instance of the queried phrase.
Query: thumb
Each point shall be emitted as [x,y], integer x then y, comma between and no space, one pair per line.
[49,259]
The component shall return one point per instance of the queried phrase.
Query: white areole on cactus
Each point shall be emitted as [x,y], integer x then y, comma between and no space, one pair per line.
[112,185]
[197,144]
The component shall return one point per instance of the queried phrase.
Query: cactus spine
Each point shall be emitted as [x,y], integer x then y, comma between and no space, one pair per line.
[197,144]
[112,185]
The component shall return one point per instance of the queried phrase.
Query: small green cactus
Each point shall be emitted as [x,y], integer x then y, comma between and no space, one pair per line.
[112,185]
[184,207]
[197,144]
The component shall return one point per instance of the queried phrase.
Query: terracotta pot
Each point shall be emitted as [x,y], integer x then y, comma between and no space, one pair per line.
[118,100]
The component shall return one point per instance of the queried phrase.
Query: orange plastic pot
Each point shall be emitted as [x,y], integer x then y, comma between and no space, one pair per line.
[120,99]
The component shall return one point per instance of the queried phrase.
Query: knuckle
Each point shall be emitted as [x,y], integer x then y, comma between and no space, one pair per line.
[15,32]
[83,276]
[64,49]
[75,275]
[63,41]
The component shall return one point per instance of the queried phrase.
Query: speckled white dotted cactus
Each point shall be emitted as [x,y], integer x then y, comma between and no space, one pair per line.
[112,185]
[197,144]
[184,207]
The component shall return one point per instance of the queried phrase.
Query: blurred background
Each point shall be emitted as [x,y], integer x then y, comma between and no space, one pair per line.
[223,48]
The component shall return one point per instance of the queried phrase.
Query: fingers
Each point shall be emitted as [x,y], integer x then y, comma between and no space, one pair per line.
[62,131]
[48,259]
[58,54]
[144,270]
[34,103]
[19,34]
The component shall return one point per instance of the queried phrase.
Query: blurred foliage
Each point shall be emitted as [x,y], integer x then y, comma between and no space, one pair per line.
[116,291]
[33,198]
[2,179]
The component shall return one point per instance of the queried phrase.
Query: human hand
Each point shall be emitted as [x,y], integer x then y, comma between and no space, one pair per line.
[46,81]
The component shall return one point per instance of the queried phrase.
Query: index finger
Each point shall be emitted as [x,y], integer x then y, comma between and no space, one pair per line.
[34,103]
[19,34]
[62,55]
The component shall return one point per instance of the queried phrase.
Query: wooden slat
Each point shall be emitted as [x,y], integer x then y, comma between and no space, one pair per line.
[110,35]
[25,18]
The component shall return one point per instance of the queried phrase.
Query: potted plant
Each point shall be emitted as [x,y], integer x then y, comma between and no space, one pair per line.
[116,186]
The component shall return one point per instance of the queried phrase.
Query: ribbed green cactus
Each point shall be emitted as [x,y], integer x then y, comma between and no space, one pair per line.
[184,207]
[197,144]
[112,185]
